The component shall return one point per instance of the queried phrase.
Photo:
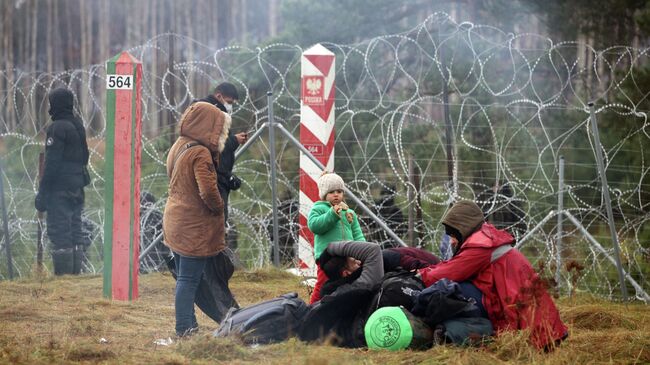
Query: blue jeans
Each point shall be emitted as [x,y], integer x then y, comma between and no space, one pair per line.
[190,270]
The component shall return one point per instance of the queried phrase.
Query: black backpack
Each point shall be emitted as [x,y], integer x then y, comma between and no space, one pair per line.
[271,321]
[398,288]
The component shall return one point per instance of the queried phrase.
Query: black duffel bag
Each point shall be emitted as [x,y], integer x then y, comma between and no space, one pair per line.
[270,321]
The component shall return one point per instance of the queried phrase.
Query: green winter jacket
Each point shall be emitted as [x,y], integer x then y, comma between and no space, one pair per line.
[329,227]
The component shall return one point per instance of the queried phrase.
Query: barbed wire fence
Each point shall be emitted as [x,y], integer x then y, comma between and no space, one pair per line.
[514,104]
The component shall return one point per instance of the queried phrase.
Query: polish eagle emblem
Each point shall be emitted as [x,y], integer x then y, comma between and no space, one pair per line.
[313,86]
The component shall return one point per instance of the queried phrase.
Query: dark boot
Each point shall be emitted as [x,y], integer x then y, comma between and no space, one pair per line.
[78,260]
[63,260]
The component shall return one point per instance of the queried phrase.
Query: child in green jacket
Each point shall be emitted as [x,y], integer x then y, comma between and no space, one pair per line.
[331,220]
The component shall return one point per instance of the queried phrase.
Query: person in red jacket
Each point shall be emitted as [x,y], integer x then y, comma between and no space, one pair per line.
[513,295]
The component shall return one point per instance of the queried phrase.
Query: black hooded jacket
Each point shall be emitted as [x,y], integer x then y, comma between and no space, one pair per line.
[66,149]
[227,156]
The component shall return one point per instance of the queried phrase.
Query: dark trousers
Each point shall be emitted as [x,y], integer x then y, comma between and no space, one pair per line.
[63,220]
[64,230]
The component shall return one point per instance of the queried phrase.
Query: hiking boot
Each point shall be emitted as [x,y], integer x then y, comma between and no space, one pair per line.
[63,261]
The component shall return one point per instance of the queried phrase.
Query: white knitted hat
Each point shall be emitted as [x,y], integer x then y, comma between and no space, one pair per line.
[329,182]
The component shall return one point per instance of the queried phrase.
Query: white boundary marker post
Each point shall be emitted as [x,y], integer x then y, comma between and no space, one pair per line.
[317,135]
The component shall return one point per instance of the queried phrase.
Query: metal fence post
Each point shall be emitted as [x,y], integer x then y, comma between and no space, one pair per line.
[411,200]
[274,202]
[560,209]
[608,202]
[5,224]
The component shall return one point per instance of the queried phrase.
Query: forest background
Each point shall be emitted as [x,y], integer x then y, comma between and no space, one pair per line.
[54,37]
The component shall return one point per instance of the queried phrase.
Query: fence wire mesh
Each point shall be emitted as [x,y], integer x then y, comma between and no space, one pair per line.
[514,102]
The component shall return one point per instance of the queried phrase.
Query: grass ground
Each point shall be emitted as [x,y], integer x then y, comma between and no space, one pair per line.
[63,321]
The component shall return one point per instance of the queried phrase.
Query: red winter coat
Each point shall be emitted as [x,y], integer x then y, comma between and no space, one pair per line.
[513,294]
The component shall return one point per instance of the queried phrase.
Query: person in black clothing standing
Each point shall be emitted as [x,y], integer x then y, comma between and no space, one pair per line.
[61,189]
[223,97]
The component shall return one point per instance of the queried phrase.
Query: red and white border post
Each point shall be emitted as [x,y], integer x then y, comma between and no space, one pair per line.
[317,135]
[122,176]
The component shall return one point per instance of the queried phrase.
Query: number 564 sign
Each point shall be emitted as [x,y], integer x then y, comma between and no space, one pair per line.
[121,82]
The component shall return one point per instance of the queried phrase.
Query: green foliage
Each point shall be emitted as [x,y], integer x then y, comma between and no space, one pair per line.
[309,22]
[608,22]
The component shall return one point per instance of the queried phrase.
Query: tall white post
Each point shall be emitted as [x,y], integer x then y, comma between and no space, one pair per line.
[317,135]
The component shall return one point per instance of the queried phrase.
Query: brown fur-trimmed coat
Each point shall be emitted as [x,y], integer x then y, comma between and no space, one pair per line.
[193,222]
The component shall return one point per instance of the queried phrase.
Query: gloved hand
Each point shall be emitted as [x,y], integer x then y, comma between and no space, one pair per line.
[235,182]
[40,202]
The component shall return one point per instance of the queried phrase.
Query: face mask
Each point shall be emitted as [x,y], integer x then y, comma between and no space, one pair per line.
[228,107]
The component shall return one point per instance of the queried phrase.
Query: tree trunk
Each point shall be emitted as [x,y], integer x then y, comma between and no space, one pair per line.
[216,23]
[55,43]
[34,14]
[103,53]
[22,38]
[243,22]
[69,45]
[273,18]
[85,18]
[223,15]
[48,36]
[233,20]
[8,45]
[189,25]
[30,61]
[159,23]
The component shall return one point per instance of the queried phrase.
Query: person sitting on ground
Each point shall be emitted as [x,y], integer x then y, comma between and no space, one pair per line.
[512,293]
[331,220]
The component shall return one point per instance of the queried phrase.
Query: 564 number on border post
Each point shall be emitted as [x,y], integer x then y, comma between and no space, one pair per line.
[120,82]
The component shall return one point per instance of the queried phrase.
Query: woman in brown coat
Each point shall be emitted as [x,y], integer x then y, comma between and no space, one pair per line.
[193,222]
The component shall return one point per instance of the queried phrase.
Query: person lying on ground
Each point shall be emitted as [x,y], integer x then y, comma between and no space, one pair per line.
[342,270]
[342,262]
[354,265]
[513,294]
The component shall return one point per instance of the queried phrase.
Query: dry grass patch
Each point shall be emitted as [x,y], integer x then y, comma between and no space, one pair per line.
[599,317]
[207,347]
[89,352]
[63,321]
